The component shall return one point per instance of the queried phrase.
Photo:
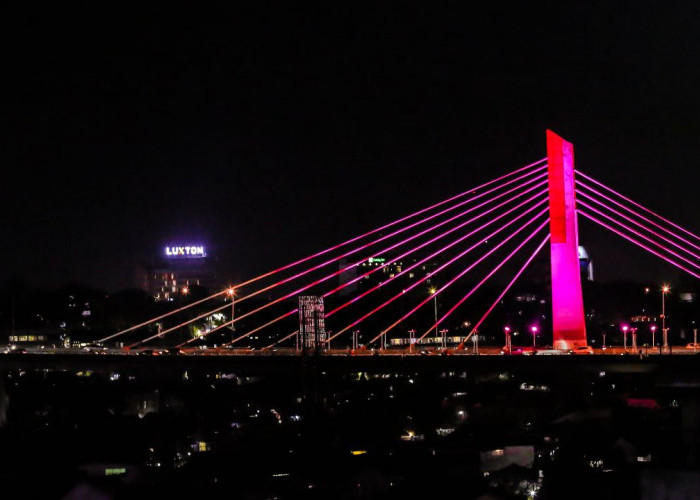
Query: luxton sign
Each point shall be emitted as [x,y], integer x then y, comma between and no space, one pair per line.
[191,251]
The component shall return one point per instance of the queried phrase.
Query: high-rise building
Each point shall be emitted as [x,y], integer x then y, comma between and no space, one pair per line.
[177,268]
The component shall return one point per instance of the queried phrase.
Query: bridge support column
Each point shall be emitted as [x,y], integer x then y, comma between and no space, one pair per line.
[569,328]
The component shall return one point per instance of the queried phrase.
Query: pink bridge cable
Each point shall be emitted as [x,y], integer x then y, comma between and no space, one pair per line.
[336,273]
[276,342]
[398,221]
[325,278]
[635,222]
[184,323]
[339,245]
[384,250]
[438,252]
[510,191]
[505,290]
[629,238]
[479,260]
[637,233]
[257,329]
[127,330]
[413,266]
[478,285]
[248,334]
[580,183]
[411,226]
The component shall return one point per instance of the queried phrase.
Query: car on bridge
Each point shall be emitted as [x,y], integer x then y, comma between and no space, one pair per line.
[583,349]
[525,351]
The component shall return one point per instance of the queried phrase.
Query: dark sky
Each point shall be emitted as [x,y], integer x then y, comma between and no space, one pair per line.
[269,132]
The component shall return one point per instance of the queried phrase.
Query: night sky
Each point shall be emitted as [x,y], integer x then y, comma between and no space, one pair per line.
[267,132]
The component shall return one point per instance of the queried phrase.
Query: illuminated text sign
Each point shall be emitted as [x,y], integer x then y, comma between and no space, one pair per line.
[185,251]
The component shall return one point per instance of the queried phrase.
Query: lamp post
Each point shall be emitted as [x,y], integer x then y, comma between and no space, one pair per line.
[534,334]
[653,335]
[232,293]
[664,290]
[624,336]
[506,330]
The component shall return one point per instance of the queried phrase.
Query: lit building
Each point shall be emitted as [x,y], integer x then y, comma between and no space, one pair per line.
[176,269]
[586,264]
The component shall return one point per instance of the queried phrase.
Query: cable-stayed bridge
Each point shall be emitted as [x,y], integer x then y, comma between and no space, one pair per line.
[467,252]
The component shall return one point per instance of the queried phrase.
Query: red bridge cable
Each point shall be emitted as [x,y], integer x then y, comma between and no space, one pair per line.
[640,206]
[484,279]
[411,226]
[505,290]
[637,233]
[496,247]
[619,233]
[635,222]
[335,247]
[416,264]
[336,273]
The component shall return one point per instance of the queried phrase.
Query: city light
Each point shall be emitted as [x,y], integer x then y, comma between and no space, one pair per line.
[664,290]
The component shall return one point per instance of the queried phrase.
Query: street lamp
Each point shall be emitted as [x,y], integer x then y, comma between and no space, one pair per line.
[664,290]
[653,337]
[231,292]
[624,336]
[506,330]
[534,334]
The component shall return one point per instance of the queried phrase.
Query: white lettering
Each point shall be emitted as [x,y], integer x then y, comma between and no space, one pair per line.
[171,251]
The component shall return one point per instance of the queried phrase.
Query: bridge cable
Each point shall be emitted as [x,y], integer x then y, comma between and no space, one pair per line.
[629,238]
[505,290]
[478,285]
[357,263]
[411,267]
[335,247]
[443,266]
[629,219]
[637,233]
[580,183]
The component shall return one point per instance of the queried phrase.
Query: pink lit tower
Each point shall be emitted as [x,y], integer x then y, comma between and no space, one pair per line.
[569,328]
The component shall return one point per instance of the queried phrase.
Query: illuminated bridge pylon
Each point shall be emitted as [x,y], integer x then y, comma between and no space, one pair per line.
[388,279]
[568,322]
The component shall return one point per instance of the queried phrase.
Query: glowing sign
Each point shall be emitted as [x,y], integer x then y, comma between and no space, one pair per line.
[185,251]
